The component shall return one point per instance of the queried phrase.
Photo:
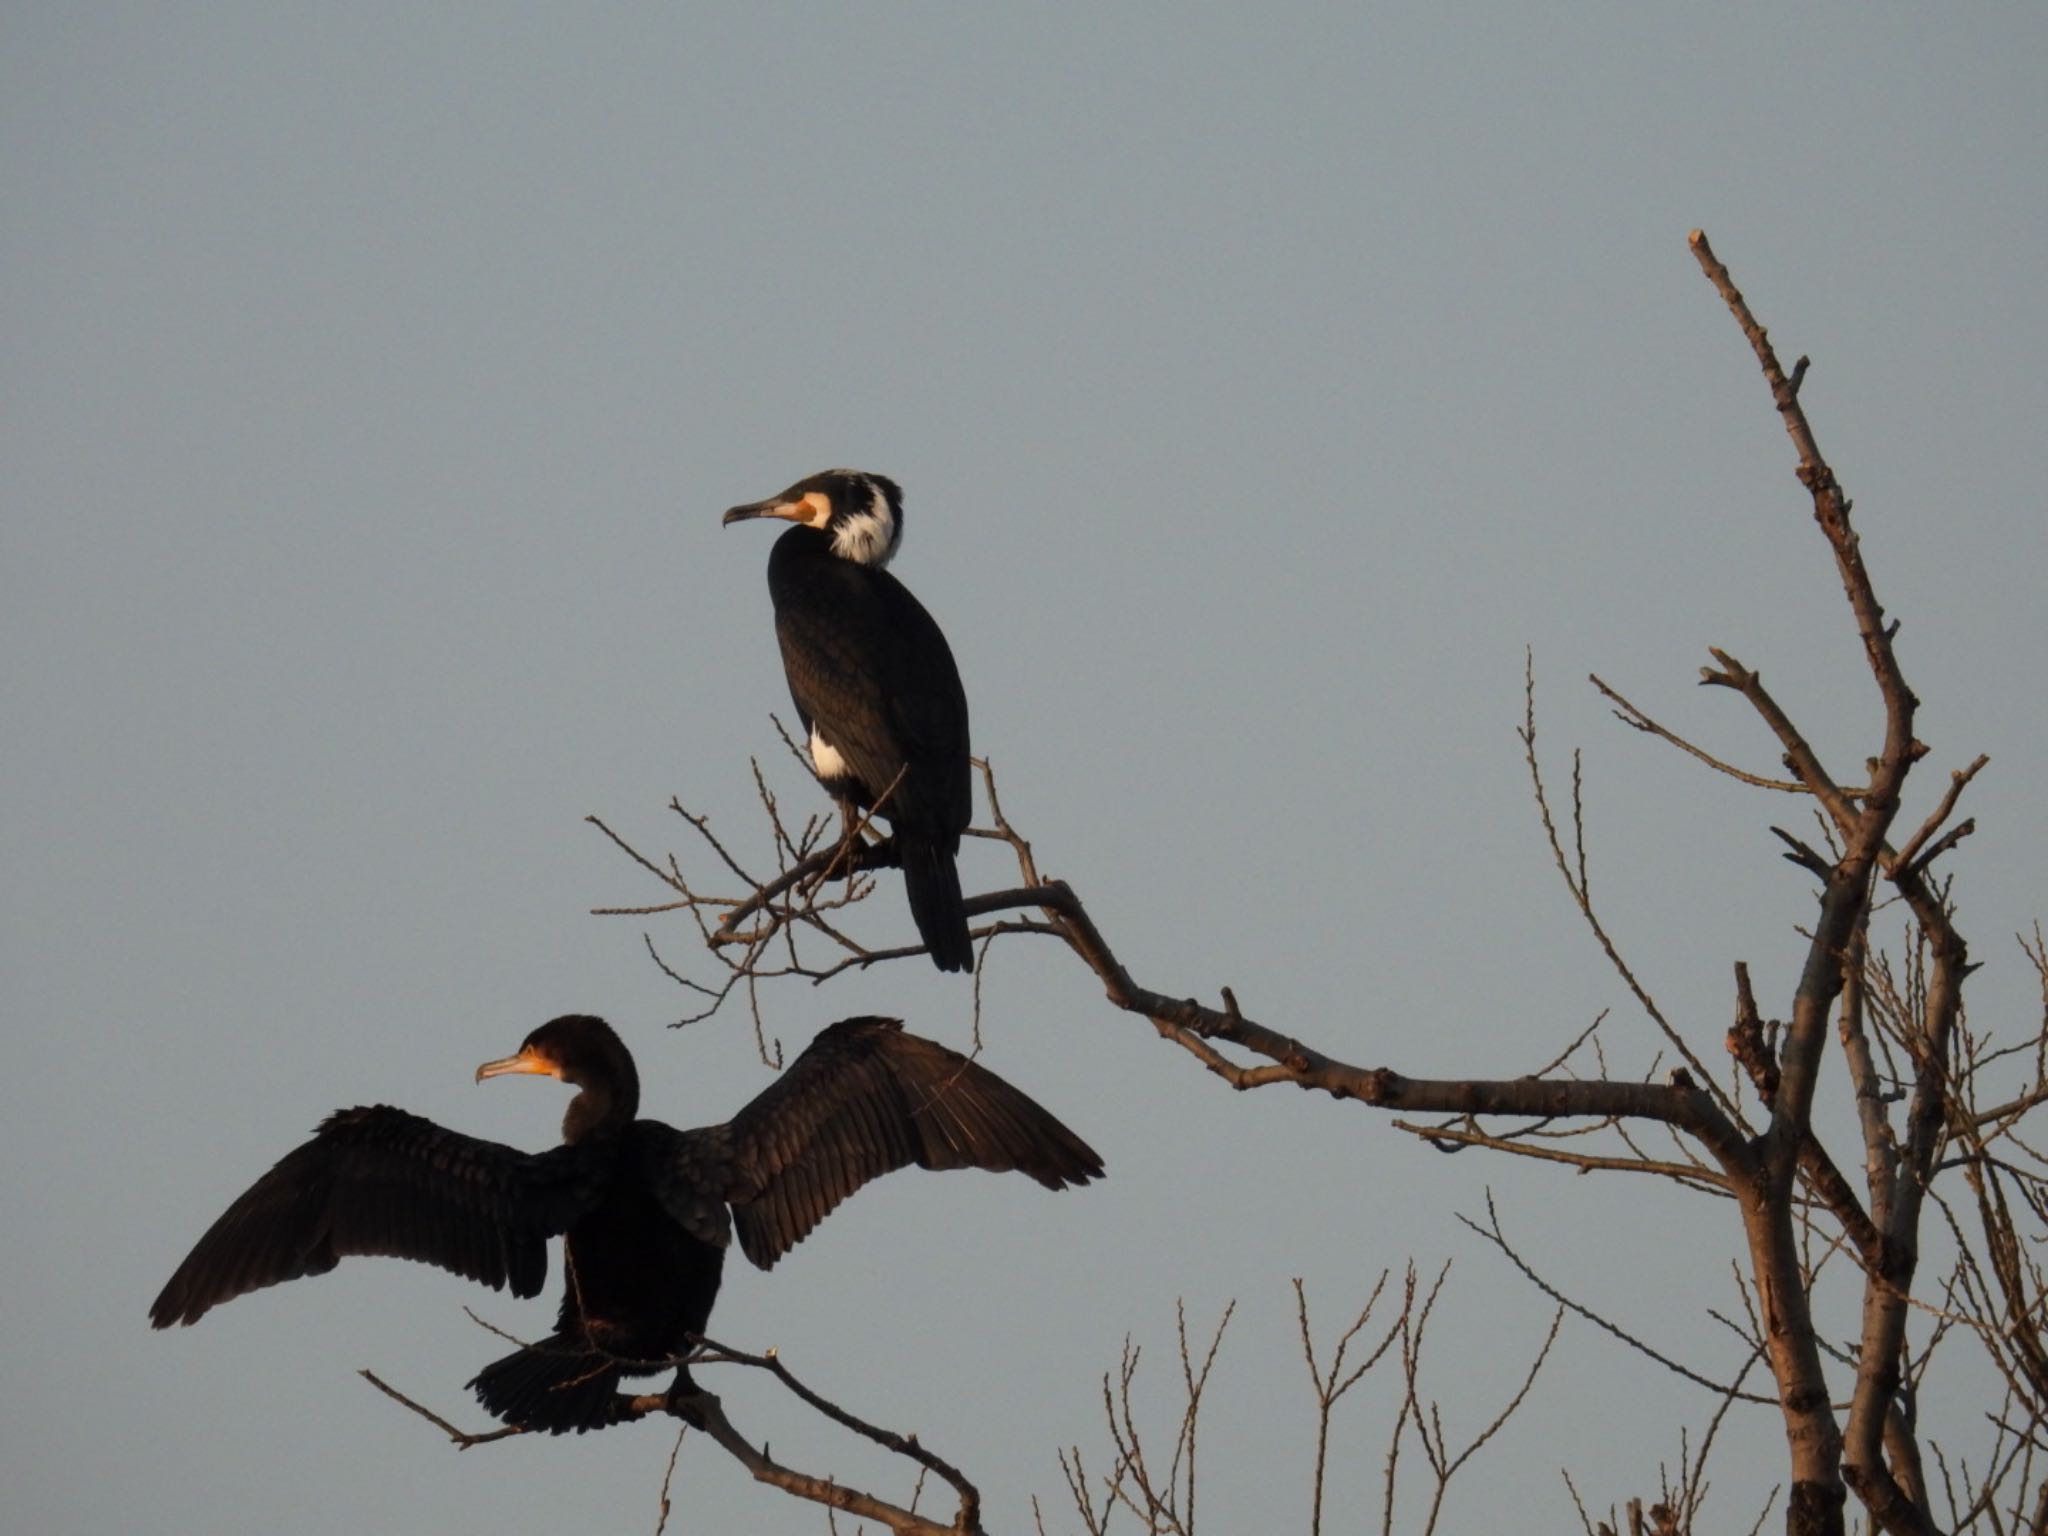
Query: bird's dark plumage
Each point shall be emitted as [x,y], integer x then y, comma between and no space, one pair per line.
[875,685]
[647,1210]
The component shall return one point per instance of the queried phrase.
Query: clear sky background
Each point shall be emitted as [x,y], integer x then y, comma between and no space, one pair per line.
[1262,379]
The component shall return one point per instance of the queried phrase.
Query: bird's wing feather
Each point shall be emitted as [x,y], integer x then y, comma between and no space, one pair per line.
[860,627]
[378,1180]
[835,682]
[689,1173]
[867,1098]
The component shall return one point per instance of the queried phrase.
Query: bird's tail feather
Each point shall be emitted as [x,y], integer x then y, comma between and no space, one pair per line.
[556,1385]
[932,881]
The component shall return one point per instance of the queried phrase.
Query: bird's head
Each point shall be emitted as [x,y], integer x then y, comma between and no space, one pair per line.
[587,1053]
[861,513]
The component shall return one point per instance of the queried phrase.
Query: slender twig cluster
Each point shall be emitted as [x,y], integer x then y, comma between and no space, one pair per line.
[1164,1504]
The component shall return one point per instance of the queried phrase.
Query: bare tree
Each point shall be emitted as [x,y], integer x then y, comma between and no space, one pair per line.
[1939,1169]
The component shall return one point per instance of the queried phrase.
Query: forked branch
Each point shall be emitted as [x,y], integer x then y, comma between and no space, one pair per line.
[706,1412]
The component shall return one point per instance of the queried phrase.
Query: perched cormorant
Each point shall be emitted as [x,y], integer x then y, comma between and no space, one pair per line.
[875,685]
[644,1206]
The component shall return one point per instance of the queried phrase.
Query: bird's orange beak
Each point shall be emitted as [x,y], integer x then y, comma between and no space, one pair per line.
[528,1060]
[812,508]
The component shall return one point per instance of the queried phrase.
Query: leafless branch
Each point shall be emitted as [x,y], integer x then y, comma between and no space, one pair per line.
[705,1411]
[1493,1234]
[1333,1384]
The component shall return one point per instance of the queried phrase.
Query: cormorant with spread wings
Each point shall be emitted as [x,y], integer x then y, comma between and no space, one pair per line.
[647,1210]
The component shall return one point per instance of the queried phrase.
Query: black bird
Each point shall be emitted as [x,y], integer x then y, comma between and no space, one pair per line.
[875,686]
[644,1206]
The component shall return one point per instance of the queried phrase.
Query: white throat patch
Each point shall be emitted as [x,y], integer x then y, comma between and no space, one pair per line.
[870,537]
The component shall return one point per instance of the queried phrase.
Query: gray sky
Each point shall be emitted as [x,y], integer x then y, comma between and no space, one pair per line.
[1261,382]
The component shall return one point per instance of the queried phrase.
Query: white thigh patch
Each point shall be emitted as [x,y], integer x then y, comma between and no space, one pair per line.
[825,758]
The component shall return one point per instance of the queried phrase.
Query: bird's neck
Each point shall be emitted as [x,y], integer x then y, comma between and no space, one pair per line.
[601,1111]
[866,543]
